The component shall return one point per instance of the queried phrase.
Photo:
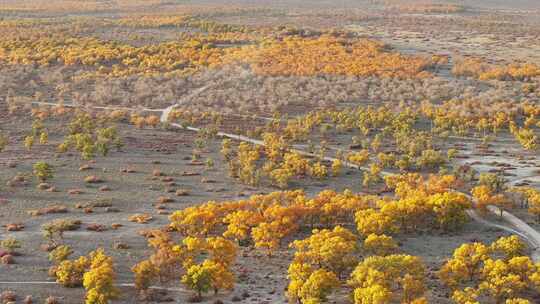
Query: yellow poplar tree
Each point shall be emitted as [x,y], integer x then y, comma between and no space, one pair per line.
[380,244]
[334,250]
[465,264]
[318,286]
[372,294]
[511,246]
[145,272]
[99,280]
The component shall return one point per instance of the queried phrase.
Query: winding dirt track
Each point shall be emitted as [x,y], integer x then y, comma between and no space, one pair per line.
[514,224]
[531,235]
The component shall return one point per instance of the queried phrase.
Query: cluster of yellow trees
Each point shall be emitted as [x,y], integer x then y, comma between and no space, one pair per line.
[189,117]
[374,125]
[459,117]
[420,203]
[94,272]
[491,190]
[322,260]
[526,135]
[318,263]
[86,133]
[329,255]
[499,271]
[90,6]
[212,231]
[83,26]
[109,58]
[281,163]
[202,263]
[79,117]
[299,56]
[462,116]
[381,279]
[366,120]
[328,55]
[266,220]
[378,126]
[531,200]
[38,132]
[86,136]
[292,56]
[478,68]
[113,58]
[224,38]
[486,195]
[144,21]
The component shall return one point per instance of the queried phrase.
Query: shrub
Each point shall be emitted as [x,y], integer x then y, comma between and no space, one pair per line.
[98,281]
[60,254]
[70,272]
[10,244]
[43,171]
[145,272]
[54,231]
[380,244]
[198,278]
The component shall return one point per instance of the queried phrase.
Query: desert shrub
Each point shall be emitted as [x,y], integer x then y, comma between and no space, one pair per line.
[42,171]
[54,231]
[10,244]
[60,254]
[69,273]
[99,280]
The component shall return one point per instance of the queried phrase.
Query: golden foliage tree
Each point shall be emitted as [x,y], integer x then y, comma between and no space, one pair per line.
[99,279]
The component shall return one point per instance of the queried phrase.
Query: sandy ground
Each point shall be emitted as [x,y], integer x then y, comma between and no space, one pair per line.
[264,279]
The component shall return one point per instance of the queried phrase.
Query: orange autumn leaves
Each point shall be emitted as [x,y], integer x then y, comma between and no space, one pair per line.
[478,68]
[292,56]
[327,55]
[112,58]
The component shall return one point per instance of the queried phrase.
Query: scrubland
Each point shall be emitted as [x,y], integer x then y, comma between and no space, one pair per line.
[371,152]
